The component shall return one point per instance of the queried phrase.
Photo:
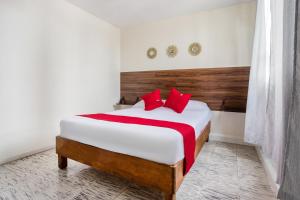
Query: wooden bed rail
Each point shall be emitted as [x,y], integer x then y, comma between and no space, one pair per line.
[166,178]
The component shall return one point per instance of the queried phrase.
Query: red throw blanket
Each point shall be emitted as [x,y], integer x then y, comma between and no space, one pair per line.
[187,132]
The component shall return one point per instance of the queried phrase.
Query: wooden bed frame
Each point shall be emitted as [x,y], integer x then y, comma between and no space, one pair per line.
[223,89]
[166,178]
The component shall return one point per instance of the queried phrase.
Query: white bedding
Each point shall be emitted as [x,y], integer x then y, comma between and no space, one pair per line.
[157,144]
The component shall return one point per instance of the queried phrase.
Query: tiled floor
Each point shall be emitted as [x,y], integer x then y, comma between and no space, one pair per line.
[222,171]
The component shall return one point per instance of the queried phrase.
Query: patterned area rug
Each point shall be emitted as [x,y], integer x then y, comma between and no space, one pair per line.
[222,171]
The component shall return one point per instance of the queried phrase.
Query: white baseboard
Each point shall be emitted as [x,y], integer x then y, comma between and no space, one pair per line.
[228,139]
[270,170]
[23,155]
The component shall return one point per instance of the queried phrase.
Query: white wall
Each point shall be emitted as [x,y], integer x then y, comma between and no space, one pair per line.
[226,36]
[55,60]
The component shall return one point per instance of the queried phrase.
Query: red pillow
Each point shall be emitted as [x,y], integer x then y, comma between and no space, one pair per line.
[152,100]
[177,101]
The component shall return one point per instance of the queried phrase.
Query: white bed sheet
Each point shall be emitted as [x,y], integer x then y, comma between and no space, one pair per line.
[162,145]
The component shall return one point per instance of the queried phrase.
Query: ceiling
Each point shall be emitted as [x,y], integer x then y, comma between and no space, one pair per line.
[124,13]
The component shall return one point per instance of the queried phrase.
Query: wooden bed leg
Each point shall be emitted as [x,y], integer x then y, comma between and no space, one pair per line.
[170,196]
[207,140]
[62,162]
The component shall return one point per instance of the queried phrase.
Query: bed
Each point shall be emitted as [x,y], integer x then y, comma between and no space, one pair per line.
[86,141]
[148,155]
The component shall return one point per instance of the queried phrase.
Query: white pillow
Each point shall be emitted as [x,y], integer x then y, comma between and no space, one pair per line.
[139,104]
[192,105]
[195,105]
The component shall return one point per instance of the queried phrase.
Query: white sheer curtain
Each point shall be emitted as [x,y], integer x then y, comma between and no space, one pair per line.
[264,107]
[259,77]
[274,146]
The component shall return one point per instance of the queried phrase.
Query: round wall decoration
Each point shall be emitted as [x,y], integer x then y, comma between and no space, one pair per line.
[151,53]
[172,51]
[195,49]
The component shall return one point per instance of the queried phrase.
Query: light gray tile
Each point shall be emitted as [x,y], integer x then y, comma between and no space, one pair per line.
[222,171]
[134,192]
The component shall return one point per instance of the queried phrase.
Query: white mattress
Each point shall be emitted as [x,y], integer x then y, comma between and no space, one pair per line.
[157,144]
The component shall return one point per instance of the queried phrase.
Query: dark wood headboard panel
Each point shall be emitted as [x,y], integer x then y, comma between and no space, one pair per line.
[223,89]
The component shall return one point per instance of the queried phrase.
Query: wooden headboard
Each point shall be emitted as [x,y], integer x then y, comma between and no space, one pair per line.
[223,89]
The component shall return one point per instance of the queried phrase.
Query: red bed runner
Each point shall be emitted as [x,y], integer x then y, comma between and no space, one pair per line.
[187,132]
